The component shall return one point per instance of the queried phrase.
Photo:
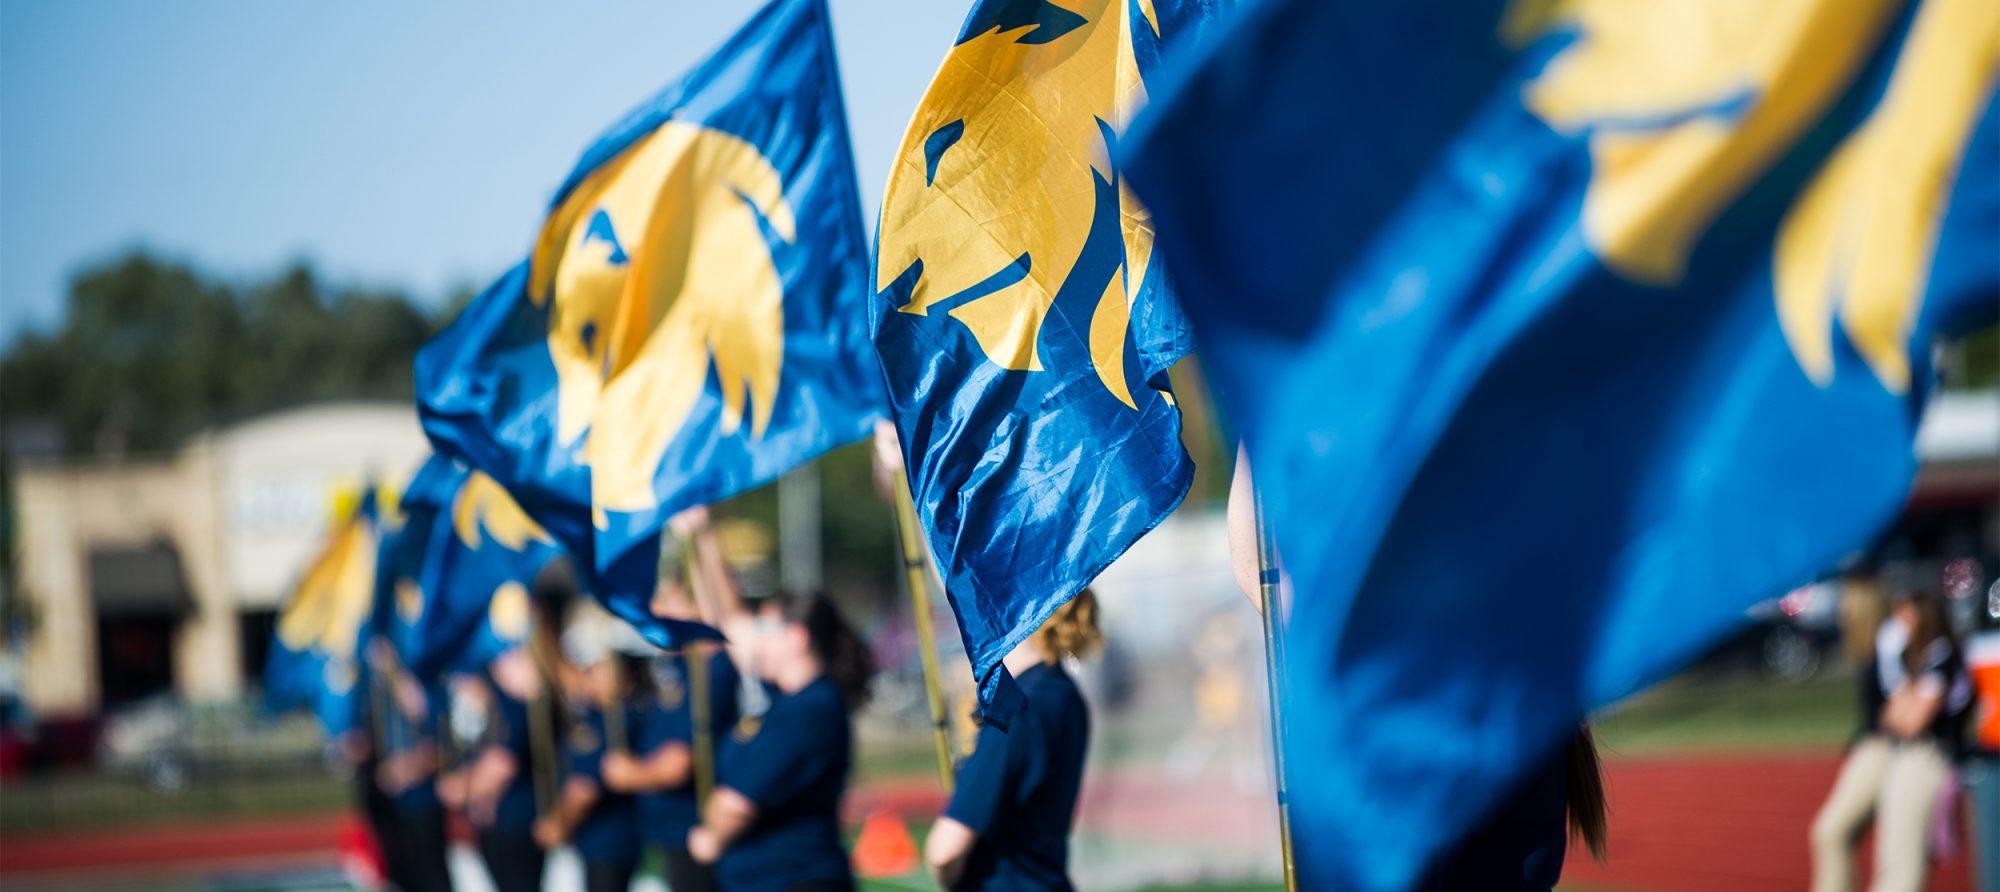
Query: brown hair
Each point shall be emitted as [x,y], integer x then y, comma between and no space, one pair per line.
[843,654]
[1072,630]
[1931,627]
[1589,816]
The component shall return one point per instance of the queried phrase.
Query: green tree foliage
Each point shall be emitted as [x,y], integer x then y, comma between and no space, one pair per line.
[152,351]
[1973,362]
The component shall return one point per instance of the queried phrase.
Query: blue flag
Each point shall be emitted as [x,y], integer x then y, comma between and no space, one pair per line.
[1559,335]
[1023,326]
[691,322]
[460,570]
[315,648]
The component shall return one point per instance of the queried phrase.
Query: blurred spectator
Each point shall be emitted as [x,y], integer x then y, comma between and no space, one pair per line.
[1915,693]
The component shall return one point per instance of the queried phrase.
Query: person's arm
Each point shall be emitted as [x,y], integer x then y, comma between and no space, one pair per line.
[715,587]
[579,795]
[984,779]
[1913,707]
[486,780]
[407,767]
[946,850]
[451,788]
[716,595]
[1242,524]
[723,821]
[666,767]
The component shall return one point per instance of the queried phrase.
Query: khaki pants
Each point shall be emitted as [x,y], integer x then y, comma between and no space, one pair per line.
[1897,783]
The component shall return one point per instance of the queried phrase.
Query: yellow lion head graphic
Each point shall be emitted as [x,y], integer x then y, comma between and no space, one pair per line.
[656,268]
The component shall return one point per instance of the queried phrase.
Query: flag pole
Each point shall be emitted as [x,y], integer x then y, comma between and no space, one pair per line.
[889,457]
[693,657]
[1270,597]
[920,607]
[378,707]
[541,723]
[920,604]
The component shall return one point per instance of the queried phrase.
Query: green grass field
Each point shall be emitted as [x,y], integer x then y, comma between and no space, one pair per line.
[1683,716]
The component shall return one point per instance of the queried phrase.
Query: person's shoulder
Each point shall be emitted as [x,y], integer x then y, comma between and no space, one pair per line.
[810,702]
[1055,680]
[1052,692]
[823,694]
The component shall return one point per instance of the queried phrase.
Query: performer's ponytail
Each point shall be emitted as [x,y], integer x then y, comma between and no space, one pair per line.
[1589,818]
[1071,632]
[840,649]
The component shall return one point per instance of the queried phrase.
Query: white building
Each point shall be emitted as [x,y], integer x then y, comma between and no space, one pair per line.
[142,576]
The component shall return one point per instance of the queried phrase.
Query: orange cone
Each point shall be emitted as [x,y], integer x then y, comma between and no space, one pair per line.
[885,847]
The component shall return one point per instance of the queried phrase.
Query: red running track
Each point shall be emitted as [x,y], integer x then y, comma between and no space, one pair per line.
[179,849]
[1719,824]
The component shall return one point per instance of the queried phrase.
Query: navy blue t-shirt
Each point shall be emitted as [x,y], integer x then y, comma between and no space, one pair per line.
[666,816]
[1018,788]
[794,768]
[515,813]
[610,832]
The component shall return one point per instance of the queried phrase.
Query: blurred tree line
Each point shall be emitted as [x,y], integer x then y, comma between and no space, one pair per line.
[152,351]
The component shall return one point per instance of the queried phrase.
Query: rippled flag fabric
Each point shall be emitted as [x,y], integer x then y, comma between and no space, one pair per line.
[691,322]
[1559,334]
[314,659]
[1023,325]
[461,570]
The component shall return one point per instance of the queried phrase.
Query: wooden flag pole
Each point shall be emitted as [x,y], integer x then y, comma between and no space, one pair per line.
[1270,597]
[695,658]
[920,606]
[379,704]
[541,724]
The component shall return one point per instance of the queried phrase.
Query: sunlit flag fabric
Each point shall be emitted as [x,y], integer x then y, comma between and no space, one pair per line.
[1559,334]
[691,322]
[314,658]
[1023,326]
[460,569]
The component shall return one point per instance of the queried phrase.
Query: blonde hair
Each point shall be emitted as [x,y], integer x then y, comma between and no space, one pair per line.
[1072,630]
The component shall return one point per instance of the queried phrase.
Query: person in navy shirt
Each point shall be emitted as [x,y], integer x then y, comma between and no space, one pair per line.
[1008,823]
[661,769]
[500,782]
[414,850]
[602,824]
[773,824]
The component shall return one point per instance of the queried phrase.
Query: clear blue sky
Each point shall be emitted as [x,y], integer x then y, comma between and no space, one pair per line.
[391,143]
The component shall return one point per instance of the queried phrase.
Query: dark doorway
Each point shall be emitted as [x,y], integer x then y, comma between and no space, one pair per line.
[141,597]
[135,658]
[256,628]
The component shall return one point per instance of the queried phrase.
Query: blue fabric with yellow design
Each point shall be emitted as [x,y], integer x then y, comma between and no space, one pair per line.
[1023,326]
[1559,335]
[461,567]
[315,646]
[691,320]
